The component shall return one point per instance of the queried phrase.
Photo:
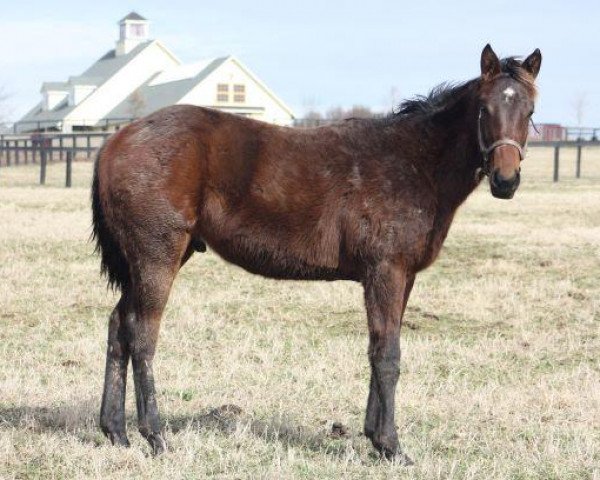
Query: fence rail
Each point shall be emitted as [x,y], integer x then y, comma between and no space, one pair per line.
[25,126]
[48,147]
[557,145]
[25,148]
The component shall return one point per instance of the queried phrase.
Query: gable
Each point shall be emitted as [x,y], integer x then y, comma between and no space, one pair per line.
[259,101]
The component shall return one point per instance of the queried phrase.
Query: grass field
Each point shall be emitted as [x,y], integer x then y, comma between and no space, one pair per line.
[501,350]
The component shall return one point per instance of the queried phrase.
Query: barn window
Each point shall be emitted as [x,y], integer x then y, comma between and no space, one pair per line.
[239,93]
[222,92]
[137,30]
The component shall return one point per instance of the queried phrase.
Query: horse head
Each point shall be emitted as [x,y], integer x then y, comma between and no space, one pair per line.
[506,103]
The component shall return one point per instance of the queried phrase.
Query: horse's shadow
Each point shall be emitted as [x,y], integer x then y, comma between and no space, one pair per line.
[80,420]
[77,419]
[333,439]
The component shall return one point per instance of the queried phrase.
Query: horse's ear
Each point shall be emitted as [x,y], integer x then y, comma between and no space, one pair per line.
[490,65]
[533,63]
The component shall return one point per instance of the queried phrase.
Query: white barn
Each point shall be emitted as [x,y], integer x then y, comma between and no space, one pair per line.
[140,76]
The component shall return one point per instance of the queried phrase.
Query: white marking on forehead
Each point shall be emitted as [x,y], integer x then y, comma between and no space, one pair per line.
[508,94]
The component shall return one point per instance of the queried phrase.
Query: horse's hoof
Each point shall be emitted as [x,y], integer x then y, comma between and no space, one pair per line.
[398,458]
[157,443]
[118,439]
[391,451]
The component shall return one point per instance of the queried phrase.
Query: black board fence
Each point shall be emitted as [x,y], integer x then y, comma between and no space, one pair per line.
[45,148]
[578,145]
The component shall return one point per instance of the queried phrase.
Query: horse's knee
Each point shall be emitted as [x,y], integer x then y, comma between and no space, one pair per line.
[387,369]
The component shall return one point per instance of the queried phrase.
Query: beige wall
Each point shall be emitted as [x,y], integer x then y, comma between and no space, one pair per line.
[205,94]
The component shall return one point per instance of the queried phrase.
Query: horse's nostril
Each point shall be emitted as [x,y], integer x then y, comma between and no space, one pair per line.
[502,183]
[496,179]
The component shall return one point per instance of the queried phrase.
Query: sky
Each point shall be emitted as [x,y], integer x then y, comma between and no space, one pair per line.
[318,54]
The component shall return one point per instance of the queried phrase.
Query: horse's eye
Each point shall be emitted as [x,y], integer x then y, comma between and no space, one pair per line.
[529,115]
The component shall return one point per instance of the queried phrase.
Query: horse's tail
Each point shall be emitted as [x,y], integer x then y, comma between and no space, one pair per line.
[113,262]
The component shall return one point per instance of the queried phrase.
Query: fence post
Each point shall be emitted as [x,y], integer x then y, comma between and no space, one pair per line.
[60,145]
[43,160]
[578,169]
[26,151]
[8,155]
[89,146]
[69,168]
[556,160]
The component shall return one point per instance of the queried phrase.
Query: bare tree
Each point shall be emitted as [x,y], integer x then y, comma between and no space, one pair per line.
[136,104]
[312,118]
[580,104]
[335,113]
[394,98]
[4,108]
[359,111]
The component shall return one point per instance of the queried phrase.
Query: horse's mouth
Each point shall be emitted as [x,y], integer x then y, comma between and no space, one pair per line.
[504,189]
[503,194]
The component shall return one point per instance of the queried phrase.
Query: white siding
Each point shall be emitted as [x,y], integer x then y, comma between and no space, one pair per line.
[51,98]
[259,103]
[79,93]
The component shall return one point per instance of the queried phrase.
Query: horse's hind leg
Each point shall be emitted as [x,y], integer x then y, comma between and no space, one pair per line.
[133,333]
[112,413]
[152,279]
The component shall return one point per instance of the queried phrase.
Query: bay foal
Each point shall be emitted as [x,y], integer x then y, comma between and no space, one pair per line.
[363,200]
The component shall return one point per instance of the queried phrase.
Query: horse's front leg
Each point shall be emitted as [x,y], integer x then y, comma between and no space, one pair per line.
[386,292]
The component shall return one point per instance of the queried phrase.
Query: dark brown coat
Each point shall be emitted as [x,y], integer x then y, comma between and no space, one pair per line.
[363,200]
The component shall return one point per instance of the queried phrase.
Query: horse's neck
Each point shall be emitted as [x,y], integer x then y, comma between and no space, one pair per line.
[456,161]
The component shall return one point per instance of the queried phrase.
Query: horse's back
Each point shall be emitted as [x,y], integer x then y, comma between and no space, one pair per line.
[256,193]
[281,202]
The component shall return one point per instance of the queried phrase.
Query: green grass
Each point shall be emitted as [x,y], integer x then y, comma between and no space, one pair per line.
[501,351]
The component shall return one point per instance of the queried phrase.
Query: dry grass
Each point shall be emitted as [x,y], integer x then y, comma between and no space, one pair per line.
[501,350]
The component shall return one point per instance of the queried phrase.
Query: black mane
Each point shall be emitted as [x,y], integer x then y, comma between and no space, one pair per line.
[438,99]
[446,94]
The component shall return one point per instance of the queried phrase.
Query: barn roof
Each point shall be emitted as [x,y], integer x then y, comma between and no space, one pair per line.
[167,87]
[132,16]
[97,74]
[108,65]
[55,86]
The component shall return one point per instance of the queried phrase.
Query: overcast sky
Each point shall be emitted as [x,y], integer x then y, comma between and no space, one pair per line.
[318,53]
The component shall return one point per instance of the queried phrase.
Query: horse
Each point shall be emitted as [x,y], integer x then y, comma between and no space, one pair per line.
[367,200]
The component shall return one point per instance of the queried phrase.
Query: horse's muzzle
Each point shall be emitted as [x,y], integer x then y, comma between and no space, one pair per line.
[502,187]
